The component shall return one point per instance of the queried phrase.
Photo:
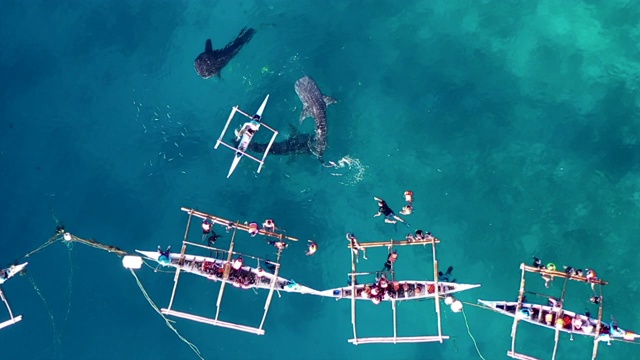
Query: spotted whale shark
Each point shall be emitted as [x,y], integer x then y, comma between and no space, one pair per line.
[295,144]
[314,104]
[210,62]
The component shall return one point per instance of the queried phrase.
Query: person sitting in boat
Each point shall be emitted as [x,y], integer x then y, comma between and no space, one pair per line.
[591,276]
[391,259]
[4,274]
[389,216]
[249,127]
[312,248]
[164,257]
[446,277]
[269,225]
[280,245]
[355,246]
[237,263]
[569,271]
[410,237]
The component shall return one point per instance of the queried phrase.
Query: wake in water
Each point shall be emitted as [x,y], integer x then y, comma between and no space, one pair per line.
[351,169]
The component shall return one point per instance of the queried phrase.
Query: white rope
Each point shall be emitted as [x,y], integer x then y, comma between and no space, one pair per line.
[146,295]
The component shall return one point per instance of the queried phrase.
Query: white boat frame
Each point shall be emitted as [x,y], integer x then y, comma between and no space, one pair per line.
[13,319]
[236,150]
[395,339]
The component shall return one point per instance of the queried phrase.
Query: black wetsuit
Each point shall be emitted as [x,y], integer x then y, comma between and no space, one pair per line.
[385,209]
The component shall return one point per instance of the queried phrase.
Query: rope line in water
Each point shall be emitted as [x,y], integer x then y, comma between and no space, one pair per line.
[153,305]
[56,339]
[472,338]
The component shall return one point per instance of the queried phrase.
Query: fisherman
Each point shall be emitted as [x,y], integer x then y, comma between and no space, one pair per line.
[389,216]
[280,245]
[355,246]
[269,225]
[312,248]
[391,259]
[164,257]
[446,277]
[249,127]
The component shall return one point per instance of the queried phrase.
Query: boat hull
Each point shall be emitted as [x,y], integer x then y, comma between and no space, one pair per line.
[246,140]
[11,271]
[416,290]
[559,319]
[246,277]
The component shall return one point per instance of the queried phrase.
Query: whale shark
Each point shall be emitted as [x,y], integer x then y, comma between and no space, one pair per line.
[314,105]
[210,62]
[295,144]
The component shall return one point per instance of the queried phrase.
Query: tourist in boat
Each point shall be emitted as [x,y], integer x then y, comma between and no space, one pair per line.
[312,248]
[269,225]
[237,263]
[355,246]
[164,257]
[569,271]
[391,259]
[389,216]
[280,245]
[446,277]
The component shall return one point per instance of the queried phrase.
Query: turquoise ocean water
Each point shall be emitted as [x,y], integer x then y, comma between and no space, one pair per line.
[515,124]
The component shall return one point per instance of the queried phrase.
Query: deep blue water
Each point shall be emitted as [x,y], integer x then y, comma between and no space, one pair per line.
[516,126]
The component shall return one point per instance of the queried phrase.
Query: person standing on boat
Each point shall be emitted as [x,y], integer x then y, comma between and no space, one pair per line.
[389,216]
[355,246]
[312,248]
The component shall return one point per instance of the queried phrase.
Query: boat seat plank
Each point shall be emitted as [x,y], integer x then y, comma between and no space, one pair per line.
[397,340]
[519,356]
[371,244]
[562,275]
[9,322]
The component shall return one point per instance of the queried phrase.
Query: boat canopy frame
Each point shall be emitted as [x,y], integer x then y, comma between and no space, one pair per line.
[395,339]
[12,319]
[215,321]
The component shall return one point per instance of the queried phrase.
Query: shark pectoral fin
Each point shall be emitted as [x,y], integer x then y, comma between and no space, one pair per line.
[294,131]
[306,112]
[207,46]
[329,100]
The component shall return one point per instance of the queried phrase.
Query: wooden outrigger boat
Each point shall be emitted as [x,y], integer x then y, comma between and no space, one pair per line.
[254,124]
[557,318]
[427,289]
[6,274]
[245,277]
[227,271]
[401,290]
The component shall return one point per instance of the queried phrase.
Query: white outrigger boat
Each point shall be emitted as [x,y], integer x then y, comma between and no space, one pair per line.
[6,274]
[246,134]
[398,290]
[245,277]
[555,318]
[11,271]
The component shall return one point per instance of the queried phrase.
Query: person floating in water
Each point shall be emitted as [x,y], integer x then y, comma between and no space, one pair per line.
[312,248]
[269,225]
[355,246]
[391,259]
[164,257]
[206,228]
[596,299]
[280,245]
[212,238]
[253,228]
[446,277]
[389,216]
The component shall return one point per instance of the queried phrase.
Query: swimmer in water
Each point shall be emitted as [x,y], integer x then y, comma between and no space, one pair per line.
[389,216]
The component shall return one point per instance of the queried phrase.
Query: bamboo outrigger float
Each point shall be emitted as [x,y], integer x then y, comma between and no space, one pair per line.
[6,274]
[556,317]
[435,294]
[194,264]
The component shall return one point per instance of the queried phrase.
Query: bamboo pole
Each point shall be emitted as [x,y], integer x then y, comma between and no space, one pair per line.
[596,341]
[514,327]
[558,313]
[225,275]
[274,281]
[353,297]
[437,289]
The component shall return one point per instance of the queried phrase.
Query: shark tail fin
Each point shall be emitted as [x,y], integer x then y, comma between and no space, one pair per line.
[294,131]
[329,100]
[208,47]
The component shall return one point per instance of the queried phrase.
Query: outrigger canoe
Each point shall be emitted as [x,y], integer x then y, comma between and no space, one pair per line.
[213,269]
[560,319]
[11,271]
[406,290]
